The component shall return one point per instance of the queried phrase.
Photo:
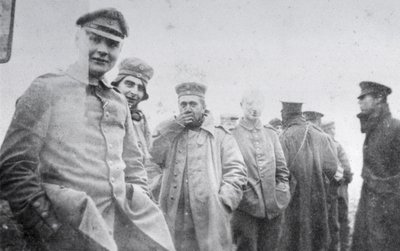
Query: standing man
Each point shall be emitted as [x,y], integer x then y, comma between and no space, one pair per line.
[229,121]
[203,174]
[333,187]
[132,80]
[377,223]
[277,124]
[343,195]
[70,166]
[257,221]
[312,164]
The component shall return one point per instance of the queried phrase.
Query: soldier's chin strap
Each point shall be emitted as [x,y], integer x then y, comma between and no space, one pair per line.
[136,114]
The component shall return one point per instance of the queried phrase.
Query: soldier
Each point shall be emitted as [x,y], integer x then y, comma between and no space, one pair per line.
[333,188]
[277,124]
[257,221]
[70,166]
[203,174]
[310,160]
[132,80]
[343,195]
[229,121]
[377,223]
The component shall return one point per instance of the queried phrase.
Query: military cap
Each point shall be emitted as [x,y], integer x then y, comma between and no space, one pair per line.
[275,122]
[368,87]
[229,116]
[328,125]
[291,107]
[191,88]
[109,23]
[312,115]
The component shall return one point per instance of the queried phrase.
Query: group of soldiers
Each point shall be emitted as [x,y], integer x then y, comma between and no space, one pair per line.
[81,170]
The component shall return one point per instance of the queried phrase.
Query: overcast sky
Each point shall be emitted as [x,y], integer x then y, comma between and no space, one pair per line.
[312,51]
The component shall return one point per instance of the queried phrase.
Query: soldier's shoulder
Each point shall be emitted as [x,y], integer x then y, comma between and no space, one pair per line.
[270,128]
[222,129]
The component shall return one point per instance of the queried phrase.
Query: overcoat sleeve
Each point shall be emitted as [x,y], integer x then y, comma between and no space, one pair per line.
[234,173]
[135,172]
[163,137]
[330,161]
[344,161]
[20,183]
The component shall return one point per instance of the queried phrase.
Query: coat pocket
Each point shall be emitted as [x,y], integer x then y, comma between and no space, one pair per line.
[282,199]
[251,201]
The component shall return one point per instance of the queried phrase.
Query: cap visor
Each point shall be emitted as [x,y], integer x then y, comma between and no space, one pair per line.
[103,34]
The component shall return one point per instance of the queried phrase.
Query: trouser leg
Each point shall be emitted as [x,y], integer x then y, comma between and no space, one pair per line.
[245,232]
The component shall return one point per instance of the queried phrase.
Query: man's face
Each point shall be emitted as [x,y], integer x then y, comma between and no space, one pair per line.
[191,104]
[252,108]
[98,52]
[133,89]
[368,103]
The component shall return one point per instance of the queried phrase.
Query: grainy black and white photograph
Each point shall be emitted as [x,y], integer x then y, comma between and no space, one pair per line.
[213,125]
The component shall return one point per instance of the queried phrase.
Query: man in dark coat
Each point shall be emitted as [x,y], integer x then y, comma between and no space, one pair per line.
[343,194]
[315,117]
[312,164]
[377,224]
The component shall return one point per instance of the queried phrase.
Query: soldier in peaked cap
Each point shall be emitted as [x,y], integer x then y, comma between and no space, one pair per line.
[132,80]
[79,181]
[277,124]
[203,174]
[228,120]
[343,196]
[314,118]
[311,161]
[377,223]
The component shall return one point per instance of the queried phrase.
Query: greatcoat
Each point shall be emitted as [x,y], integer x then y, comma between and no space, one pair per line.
[312,163]
[216,176]
[70,158]
[377,223]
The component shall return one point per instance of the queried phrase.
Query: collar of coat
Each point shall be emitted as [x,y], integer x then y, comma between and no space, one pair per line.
[250,126]
[80,74]
[208,123]
[370,121]
[297,120]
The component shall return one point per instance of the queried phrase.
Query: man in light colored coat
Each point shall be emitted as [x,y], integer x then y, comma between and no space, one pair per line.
[257,221]
[203,174]
[71,169]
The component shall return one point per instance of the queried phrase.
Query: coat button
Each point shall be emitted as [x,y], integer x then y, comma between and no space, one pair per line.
[112,180]
[36,204]
[172,197]
[175,186]
[175,174]
[44,214]
[54,226]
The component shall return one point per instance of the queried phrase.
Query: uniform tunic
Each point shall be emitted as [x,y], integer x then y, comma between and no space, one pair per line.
[257,221]
[73,141]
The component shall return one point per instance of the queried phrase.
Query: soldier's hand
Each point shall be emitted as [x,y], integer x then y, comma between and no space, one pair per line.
[185,118]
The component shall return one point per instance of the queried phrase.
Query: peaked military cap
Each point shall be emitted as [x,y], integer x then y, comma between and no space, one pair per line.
[368,87]
[109,23]
[291,107]
[137,68]
[328,125]
[229,116]
[312,115]
[191,88]
[275,122]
